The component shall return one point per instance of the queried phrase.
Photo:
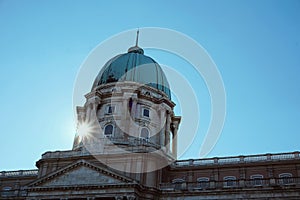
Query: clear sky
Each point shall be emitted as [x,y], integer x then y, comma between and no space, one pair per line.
[255,44]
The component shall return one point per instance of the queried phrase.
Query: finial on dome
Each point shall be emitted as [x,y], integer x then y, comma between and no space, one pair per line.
[137,38]
[136,48]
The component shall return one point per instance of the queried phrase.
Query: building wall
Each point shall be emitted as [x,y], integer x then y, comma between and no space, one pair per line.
[165,183]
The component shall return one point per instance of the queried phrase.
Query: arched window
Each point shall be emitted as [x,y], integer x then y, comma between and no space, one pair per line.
[286,178]
[178,183]
[108,130]
[256,179]
[7,188]
[6,191]
[144,133]
[229,181]
[203,182]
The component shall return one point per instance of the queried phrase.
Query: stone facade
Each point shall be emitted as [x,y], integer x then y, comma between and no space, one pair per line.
[79,175]
[126,149]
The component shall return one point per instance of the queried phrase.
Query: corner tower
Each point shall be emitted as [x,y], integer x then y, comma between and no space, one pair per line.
[129,109]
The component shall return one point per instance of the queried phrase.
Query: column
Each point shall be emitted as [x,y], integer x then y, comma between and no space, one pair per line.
[133,108]
[174,143]
[125,113]
[167,133]
[162,131]
[175,125]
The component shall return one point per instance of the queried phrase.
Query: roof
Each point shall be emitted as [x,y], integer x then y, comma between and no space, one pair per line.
[136,67]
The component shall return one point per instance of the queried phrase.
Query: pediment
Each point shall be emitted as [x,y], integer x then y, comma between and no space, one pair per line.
[81,173]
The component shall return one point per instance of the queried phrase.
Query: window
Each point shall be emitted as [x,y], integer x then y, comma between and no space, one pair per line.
[130,102]
[7,188]
[178,183]
[6,191]
[229,181]
[256,180]
[144,133]
[146,112]
[285,179]
[108,130]
[110,109]
[203,182]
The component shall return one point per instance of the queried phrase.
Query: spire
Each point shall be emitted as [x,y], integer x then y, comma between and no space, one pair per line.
[136,48]
[137,38]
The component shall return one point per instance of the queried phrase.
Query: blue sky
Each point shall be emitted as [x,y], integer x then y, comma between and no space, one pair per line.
[255,44]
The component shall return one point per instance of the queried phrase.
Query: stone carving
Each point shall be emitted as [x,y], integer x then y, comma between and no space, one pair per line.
[81,176]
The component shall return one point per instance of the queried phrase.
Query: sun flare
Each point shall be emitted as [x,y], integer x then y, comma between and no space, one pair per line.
[85,130]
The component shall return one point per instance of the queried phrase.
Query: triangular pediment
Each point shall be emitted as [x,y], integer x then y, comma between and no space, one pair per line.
[81,173]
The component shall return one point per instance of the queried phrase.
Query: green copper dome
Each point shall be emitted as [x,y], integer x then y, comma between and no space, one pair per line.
[133,66]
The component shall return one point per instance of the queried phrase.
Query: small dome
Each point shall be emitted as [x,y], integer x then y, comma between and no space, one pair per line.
[133,66]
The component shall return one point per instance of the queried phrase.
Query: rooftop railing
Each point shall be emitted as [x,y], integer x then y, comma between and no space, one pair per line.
[32,172]
[237,159]
[134,144]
